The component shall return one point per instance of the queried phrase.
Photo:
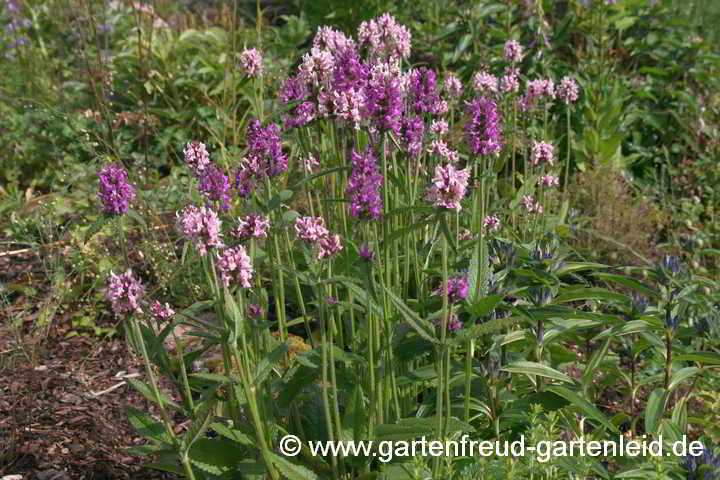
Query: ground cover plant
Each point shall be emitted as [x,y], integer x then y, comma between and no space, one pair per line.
[490,222]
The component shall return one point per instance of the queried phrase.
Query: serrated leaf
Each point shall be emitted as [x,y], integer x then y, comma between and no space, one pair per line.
[203,417]
[148,426]
[265,365]
[215,456]
[290,470]
[411,317]
[411,428]
[232,434]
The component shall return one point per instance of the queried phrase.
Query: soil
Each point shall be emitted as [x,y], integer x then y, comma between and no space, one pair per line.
[60,417]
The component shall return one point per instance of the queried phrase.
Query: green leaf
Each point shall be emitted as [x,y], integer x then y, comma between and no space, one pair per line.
[534,368]
[628,282]
[571,267]
[682,375]
[147,392]
[484,306]
[265,365]
[586,407]
[411,317]
[594,362]
[573,295]
[710,358]
[147,426]
[625,22]
[410,428]
[290,470]
[232,434]
[200,423]
[655,409]
[215,456]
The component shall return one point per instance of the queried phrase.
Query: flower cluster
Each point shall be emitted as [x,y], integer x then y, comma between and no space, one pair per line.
[252,226]
[364,186]
[160,312]
[115,192]
[513,51]
[549,180]
[491,223]
[452,85]
[214,184]
[457,289]
[197,157]
[531,205]
[568,90]
[385,37]
[422,91]
[542,88]
[484,82]
[265,157]
[439,127]
[483,132]
[125,293]
[235,264]
[439,147]
[542,153]
[509,82]
[201,225]
[413,131]
[313,231]
[252,62]
[448,187]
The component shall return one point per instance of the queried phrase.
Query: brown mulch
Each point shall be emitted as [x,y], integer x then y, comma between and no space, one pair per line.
[52,426]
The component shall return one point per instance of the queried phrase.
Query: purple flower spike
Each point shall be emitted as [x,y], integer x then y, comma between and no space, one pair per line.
[364,186]
[423,94]
[513,51]
[252,226]
[214,185]
[115,192]
[385,37]
[201,226]
[252,62]
[542,152]
[483,131]
[568,90]
[197,157]
[235,264]
[161,312]
[448,187]
[125,293]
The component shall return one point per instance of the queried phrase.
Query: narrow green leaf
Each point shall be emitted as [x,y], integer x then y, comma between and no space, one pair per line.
[682,375]
[147,392]
[586,407]
[655,409]
[534,368]
[628,282]
[710,358]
